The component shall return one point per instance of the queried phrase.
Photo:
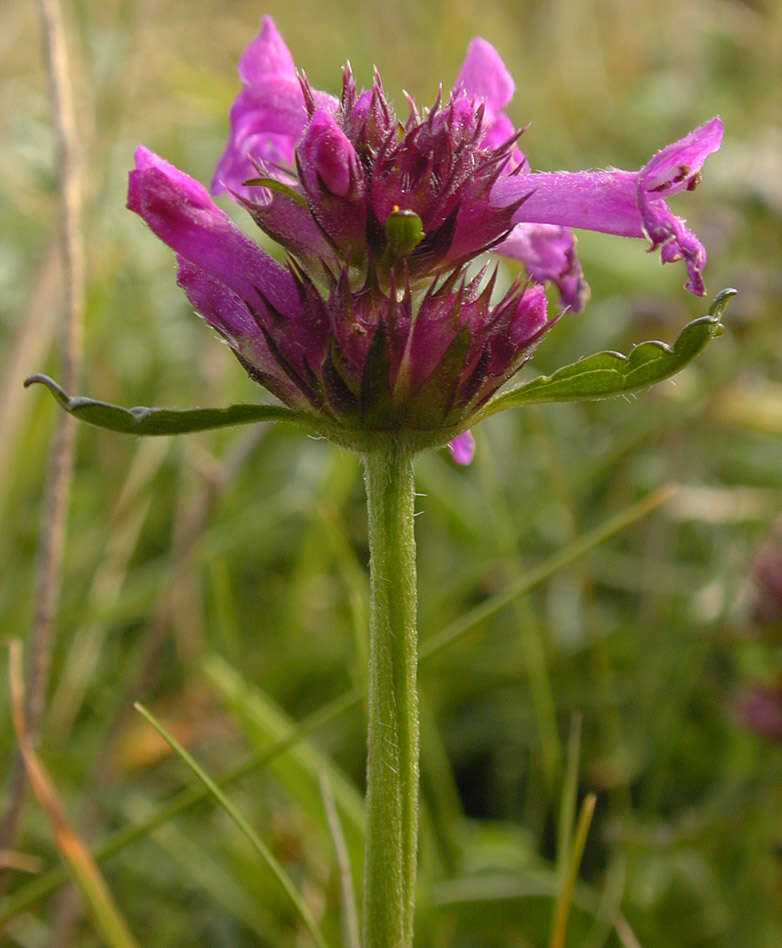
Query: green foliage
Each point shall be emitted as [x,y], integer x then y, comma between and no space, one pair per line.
[165,421]
[611,373]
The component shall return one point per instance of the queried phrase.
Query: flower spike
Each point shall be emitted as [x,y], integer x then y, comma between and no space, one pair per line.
[377,322]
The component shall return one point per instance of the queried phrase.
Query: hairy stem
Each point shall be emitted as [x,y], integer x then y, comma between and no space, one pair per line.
[393,742]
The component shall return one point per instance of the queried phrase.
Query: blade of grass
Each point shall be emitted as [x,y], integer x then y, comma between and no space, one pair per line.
[85,649]
[21,862]
[530,634]
[265,723]
[258,845]
[31,893]
[565,898]
[25,349]
[461,627]
[225,611]
[567,804]
[439,794]
[470,894]
[39,888]
[608,916]
[350,925]
[208,871]
[624,933]
[567,811]
[70,846]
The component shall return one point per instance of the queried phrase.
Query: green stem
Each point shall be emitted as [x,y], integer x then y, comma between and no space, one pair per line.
[393,751]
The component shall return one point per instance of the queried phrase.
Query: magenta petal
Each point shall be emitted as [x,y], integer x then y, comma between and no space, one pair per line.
[288,223]
[180,211]
[499,129]
[483,75]
[266,55]
[761,710]
[333,180]
[223,309]
[548,253]
[595,200]
[266,122]
[462,448]
[269,114]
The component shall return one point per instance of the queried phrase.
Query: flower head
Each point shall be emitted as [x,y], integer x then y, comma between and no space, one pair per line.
[760,709]
[767,580]
[379,320]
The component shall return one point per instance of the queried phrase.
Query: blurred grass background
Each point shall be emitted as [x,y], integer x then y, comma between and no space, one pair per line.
[221,578]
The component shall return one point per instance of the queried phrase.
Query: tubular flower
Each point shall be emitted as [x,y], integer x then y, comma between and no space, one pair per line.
[378,320]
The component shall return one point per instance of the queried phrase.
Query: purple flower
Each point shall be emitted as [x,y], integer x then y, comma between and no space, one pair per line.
[767,576]
[463,448]
[378,320]
[760,709]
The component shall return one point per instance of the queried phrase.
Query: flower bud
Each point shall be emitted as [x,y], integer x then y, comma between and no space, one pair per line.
[327,160]
[332,178]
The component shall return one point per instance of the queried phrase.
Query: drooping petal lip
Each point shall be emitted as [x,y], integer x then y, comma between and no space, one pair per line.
[675,167]
[626,203]
[549,255]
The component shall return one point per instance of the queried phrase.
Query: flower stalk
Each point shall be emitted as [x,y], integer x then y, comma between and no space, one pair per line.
[393,729]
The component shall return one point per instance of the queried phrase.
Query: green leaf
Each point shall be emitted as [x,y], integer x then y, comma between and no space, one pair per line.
[255,841]
[273,185]
[612,373]
[265,725]
[565,896]
[167,421]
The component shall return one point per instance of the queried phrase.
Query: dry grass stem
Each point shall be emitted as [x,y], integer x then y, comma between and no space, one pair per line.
[61,453]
